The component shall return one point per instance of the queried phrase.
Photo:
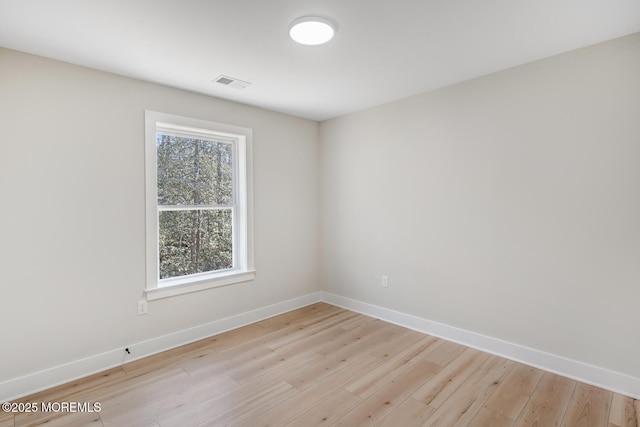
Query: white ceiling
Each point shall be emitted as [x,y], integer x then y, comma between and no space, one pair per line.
[384,49]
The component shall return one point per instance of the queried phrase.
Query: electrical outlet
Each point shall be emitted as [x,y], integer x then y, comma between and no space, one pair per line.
[384,281]
[142,307]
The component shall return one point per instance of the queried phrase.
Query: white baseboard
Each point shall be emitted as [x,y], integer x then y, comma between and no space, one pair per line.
[47,378]
[594,375]
[620,383]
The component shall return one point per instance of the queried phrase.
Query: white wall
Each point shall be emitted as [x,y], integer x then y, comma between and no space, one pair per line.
[508,205]
[72,263]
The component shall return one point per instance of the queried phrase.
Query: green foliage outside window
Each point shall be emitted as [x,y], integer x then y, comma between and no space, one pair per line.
[195,194]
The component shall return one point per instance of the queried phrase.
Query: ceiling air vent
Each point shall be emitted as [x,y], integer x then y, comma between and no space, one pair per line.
[231,81]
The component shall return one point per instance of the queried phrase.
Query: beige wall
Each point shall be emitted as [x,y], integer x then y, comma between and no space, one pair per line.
[72,218]
[508,205]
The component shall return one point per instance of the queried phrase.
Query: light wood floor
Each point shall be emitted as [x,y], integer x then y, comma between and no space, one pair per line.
[322,365]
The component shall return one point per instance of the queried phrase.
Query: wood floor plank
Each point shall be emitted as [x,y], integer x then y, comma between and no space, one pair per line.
[488,418]
[400,340]
[301,316]
[295,364]
[384,401]
[224,403]
[548,403]
[323,365]
[217,365]
[314,341]
[512,395]
[255,408]
[136,398]
[6,419]
[443,353]
[315,371]
[62,420]
[304,336]
[363,338]
[193,391]
[391,368]
[439,388]
[589,406]
[409,413]
[371,339]
[462,406]
[274,362]
[317,392]
[622,413]
[356,322]
[328,411]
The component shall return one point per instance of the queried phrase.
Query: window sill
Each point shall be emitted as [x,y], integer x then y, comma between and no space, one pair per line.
[200,284]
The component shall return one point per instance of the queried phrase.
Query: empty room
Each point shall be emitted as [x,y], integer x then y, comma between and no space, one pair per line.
[302,212]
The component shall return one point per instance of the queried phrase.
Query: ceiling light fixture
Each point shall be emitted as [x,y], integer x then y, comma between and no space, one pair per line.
[312,30]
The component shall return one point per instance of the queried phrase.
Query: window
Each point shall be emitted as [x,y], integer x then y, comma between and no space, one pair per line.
[198,194]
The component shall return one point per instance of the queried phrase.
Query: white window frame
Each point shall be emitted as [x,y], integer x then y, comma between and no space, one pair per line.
[243,269]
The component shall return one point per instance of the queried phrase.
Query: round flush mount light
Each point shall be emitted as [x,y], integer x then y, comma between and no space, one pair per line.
[312,30]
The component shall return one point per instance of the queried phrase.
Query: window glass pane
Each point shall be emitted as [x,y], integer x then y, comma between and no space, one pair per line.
[193,171]
[194,241]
